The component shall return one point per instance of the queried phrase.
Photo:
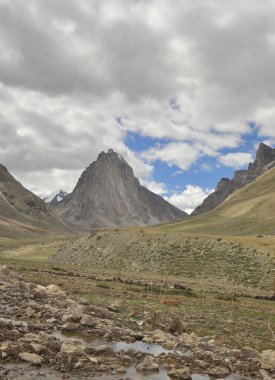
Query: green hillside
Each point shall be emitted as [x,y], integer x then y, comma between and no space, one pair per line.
[248,211]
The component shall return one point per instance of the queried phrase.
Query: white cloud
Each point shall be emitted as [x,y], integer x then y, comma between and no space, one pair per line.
[68,69]
[159,188]
[236,160]
[189,198]
[174,153]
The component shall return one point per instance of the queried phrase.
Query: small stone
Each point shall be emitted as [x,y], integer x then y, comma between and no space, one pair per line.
[102,349]
[186,340]
[70,326]
[121,371]
[88,320]
[178,325]
[248,352]
[71,346]
[180,373]
[148,365]
[113,307]
[201,364]
[157,318]
[51,320]
[93,359]
[218,371]
[37,347]
[268,360]
[30,358]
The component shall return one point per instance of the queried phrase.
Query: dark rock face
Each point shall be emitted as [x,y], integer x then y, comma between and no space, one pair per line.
[108,194]
[265,159]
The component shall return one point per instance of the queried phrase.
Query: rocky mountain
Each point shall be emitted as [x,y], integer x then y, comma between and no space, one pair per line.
[108,194]
[22,213]
[55,196]
[265,159]
[248,211]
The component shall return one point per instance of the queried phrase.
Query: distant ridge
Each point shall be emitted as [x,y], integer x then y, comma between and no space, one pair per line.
[108,194]
[55,196]
[22,213]
[248,211]
[265,159]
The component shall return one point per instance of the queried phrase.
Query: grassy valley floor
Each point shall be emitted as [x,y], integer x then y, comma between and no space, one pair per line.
[210,302]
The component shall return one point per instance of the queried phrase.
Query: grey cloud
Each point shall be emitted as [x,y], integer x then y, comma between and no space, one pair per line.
[68,69]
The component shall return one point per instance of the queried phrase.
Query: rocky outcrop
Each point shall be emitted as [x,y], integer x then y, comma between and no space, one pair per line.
[108,194]
[265,159]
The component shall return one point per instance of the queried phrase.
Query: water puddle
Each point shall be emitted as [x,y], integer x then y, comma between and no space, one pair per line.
[93,342]
[131,373]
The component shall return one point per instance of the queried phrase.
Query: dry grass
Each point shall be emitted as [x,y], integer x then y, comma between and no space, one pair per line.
[247,211]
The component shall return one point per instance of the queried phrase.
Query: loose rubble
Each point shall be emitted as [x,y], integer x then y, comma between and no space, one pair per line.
[34,321]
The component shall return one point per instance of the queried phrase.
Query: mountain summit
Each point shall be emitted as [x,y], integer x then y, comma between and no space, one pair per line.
[108,194]
[265,159]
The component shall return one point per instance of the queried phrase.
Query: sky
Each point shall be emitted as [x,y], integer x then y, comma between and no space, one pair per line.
[184,90]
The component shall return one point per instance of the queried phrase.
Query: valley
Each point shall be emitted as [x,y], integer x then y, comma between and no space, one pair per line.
[184,299]
[220,299]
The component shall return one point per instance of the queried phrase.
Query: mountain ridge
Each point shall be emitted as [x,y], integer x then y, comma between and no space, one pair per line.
[108,194]
[265,159]
[23,213]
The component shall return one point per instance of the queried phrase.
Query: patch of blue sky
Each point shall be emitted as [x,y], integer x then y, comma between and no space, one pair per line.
[139,143]
[206,172]
[177,179]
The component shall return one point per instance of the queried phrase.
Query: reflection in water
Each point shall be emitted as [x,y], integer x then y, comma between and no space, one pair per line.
[153,349]
[150,348]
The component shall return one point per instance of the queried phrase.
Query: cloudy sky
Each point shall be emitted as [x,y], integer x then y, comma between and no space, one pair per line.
[183,89]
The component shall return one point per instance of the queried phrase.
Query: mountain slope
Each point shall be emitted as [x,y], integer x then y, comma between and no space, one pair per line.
[22,213]
[265,159]
[249,210]
[108,194]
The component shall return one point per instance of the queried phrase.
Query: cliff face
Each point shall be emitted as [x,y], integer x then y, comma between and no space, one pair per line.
[265,159]
[108,194]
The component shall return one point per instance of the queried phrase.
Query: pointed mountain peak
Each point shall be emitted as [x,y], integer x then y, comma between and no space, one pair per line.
[110,155]
[265,154]
[109,194]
